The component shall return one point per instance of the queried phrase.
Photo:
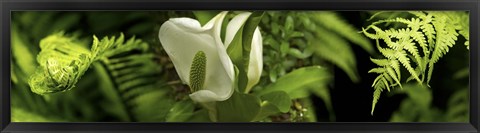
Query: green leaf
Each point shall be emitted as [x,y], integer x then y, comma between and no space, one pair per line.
[273,103]
[204,16]
[333,22]
[336,50]
[180,112]
[324,93]
[238,108]
[150,106]
[298,82]
[21,51]
[289,25]
[418,93]
[200,116]
[284,48]
[280,99]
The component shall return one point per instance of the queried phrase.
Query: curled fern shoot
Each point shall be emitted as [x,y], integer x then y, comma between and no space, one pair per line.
[63,60]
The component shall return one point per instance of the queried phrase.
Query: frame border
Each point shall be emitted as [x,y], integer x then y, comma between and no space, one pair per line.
[6,6]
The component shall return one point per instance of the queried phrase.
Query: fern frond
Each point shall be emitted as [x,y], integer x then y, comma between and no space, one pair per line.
[417,46]
[377,70]
[378,86]
[393,75]
[63,60]
[131,81]
[380,62]
[446,37]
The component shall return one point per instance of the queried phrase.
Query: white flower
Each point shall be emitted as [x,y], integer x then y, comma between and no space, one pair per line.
[184,38]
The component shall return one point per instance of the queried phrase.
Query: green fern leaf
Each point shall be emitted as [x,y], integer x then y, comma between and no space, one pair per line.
[132,82]
[63,60]
[417,46]
[446,37]
[379,86]
[377,70]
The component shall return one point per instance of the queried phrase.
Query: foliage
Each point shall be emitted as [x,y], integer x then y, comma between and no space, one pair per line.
[61,71]
[296,39]
[416,46]
[417,107]
[318,35]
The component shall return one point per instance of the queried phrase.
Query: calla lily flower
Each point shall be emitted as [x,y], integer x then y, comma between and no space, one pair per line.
[200,57]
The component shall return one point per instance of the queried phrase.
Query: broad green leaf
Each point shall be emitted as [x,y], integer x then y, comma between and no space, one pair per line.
[204,16]
[273,103]
[151,106]
[180,112]
[310,114]
[238,108]
[298,82]
[324,93]
[278,98]
[200,116]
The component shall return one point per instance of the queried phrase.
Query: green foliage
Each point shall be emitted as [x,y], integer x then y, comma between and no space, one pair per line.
[204,16]
[117,66]
[244,108]
[417,46]
[293,40]
[113,79]
[274,103]
[298,82]
[131,85]
[458,107]
[310,35]
[301,82]
[180,112]
[418,106]
[20,115]
[63,60]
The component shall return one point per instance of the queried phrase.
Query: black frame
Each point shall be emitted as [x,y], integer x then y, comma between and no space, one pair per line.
[6,6]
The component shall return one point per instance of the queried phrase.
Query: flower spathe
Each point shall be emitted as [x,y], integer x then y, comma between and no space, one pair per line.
[183,38]
[255,65]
